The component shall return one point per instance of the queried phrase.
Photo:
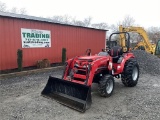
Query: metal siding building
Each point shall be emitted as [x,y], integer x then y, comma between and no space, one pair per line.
[75,39]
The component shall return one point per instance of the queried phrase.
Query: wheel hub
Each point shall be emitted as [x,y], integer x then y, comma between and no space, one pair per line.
[109,87]
[135,73]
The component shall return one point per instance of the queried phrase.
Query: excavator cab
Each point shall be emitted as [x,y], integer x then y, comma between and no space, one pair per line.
[157,50]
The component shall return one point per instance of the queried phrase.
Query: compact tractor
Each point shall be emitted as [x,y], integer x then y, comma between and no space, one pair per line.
[74,89]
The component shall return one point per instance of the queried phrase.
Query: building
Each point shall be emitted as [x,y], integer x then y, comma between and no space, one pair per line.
[41,38]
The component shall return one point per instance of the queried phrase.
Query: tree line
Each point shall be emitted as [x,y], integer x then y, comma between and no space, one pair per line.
[153,32]
[4,8]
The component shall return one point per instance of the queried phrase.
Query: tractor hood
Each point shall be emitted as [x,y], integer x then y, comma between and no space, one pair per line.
[90,58]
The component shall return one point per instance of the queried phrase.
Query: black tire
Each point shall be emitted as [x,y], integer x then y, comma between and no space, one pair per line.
[106,86]
[130,73]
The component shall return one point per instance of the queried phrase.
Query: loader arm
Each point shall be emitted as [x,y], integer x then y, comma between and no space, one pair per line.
[146,43]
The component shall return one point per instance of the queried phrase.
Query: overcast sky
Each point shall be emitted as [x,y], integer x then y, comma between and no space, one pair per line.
[145,12]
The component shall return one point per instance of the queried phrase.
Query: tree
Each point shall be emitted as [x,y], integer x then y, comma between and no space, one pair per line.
[14,10]
[114,27]
[57,18]
[61,19]
[78,23]
[2,7]
[154,33]
[87,21]
[23,11]
[67,19]
[127,21]
[100,25]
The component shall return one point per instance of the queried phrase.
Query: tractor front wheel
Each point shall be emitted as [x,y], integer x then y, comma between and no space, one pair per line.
[106,86]
[130,73]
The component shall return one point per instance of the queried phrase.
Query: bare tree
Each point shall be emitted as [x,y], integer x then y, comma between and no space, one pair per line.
[2,7]
[57,18]
[61,19]
[154,33]
[114,27]
[72,21]
[128,21]
[23,11]
[100,25]
[87,21]
[78,22]
[14,10]
[67,19]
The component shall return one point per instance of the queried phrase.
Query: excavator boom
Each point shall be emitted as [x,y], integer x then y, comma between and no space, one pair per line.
[149,47]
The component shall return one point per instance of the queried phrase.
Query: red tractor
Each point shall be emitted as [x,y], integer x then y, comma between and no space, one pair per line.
[74,89]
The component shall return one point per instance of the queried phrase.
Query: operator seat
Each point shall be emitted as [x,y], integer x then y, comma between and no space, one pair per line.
[116,52]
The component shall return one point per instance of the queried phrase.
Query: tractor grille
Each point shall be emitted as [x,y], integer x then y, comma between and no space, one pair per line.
[81,74]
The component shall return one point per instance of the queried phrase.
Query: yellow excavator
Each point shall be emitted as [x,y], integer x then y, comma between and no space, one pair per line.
[145,44]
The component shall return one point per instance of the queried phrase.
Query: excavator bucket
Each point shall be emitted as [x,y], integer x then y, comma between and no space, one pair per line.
[74,95]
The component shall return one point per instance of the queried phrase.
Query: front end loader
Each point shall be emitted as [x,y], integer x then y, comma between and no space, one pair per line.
[74,88]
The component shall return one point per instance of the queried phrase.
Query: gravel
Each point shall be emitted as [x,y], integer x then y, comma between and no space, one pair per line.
[20,97]
[148,63]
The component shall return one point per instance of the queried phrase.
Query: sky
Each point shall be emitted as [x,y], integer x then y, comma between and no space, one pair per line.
[145,12]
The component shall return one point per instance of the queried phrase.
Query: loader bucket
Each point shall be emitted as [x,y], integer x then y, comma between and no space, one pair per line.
[74,95]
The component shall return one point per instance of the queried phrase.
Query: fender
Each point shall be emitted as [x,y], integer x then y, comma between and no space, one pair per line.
[120,66]
[95,66]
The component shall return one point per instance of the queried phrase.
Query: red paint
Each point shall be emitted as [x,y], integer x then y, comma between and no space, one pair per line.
[126,57]
[83,69]
[75,39]
[96,63]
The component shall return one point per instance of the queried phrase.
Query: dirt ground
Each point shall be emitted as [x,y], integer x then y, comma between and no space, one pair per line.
[20,99]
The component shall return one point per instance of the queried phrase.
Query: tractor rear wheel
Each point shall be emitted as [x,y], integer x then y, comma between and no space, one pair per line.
[106,86]
[130,73]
